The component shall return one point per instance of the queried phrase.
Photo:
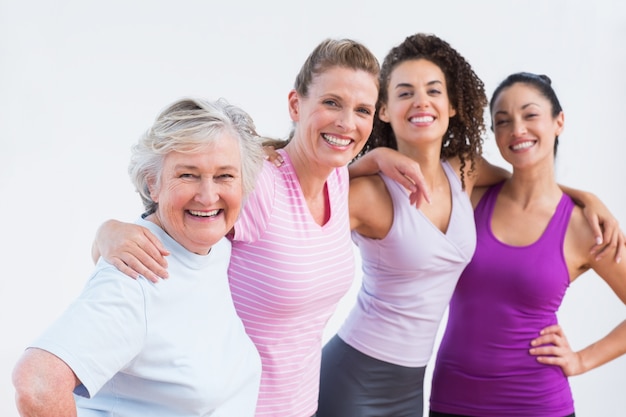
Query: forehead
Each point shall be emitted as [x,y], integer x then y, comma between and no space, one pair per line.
[519,95]
[417,69]
[356,82]
[220,151]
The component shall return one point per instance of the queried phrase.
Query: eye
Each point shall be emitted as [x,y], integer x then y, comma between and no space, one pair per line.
[434,91]
[187,175]
[331,103]
[225,177]
[405,94]
[501,122]
[364,110]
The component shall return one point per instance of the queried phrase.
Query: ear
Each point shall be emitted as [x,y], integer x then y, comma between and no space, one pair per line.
[452,111]
[382,113]
[294,105]
[154,192]
[560,123]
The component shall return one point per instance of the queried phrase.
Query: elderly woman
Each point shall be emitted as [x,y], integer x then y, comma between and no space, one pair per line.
[178,348]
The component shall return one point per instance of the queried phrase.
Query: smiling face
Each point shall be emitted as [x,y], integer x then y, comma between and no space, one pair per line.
[418,107]
[200,194]
[334,120]
[523,125]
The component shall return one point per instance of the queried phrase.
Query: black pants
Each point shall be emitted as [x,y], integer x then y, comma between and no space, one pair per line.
[353,384]
[436,414]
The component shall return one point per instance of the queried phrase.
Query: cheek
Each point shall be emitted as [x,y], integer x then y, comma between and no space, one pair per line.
[233,197]
[365,126]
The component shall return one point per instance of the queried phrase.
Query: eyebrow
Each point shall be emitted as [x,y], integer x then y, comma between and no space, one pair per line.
[339,98]
[524,107]
[530,104]
[433,82]
[193,167]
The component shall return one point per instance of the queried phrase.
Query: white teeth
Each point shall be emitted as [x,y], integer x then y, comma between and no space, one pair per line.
[522,145]
[422,119]
[336,141]
[204,213]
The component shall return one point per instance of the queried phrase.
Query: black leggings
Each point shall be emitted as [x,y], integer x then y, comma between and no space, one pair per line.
[353,384]
[437,414]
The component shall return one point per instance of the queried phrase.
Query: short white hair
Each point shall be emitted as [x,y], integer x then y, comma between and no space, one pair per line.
[185,126]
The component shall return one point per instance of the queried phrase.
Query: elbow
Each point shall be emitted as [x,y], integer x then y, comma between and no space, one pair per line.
[29,395]
[38,391]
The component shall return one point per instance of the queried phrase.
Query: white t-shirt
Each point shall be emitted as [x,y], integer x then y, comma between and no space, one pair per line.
[176,348]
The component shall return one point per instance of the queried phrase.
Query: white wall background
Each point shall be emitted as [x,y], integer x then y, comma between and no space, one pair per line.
[80,80]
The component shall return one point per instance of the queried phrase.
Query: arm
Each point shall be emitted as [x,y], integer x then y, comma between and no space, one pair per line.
[552,347]
[44,385]
[605,226]
[559,352]
[396,166]
[371,207]
[488,174]
[132,249]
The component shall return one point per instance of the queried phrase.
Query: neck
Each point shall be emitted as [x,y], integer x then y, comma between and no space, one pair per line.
[530,186]
[311,176]
[429,159]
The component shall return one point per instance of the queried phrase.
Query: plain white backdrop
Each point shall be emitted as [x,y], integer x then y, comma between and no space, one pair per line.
[81,80]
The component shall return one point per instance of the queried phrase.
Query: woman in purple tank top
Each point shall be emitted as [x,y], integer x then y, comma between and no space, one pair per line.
[503,352]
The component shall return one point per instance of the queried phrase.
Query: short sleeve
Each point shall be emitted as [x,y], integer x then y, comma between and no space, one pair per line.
[101,331]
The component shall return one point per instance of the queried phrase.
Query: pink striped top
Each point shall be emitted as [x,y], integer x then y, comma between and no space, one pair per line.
[287,274]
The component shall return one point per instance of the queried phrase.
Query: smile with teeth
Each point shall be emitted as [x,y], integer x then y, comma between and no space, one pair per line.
[422,119]
[522,145]
[211,213]
[333,140]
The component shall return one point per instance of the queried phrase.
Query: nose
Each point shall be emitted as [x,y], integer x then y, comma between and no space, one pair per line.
[420,100]
[519,128]
[207,192]
[346,120]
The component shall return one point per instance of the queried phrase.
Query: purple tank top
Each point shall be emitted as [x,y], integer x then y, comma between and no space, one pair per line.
[505,296]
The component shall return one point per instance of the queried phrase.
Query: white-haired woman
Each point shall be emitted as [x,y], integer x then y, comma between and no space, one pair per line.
[129,347]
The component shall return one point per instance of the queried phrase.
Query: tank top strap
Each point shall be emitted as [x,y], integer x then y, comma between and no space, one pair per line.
[560,219]
[484,209]
[453,179]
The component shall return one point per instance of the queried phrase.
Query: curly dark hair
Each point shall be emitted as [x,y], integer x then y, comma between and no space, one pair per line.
[466,91]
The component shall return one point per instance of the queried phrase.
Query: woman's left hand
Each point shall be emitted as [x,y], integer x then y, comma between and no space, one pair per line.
[552,348]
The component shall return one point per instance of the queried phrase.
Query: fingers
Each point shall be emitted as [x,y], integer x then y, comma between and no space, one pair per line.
[549,338]
[121,265]
[554,328]
[157,251]
[594,222]
[272,156]
[416,199]
[144,256]
[149,261]
[417,183]
[613,244]
[144,266]
[609,242]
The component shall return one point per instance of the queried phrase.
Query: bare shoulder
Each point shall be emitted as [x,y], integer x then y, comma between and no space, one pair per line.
[477,195]
[371,207]
[579,240]
[580,231]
